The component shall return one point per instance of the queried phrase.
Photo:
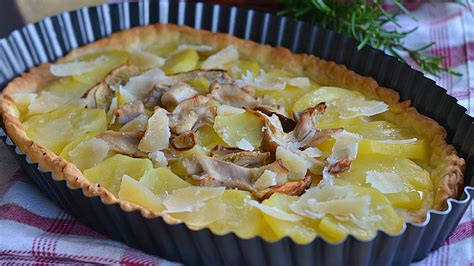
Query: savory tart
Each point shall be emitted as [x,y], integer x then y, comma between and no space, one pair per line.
[218,132]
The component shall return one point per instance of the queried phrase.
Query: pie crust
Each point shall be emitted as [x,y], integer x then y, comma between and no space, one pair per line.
[445,167]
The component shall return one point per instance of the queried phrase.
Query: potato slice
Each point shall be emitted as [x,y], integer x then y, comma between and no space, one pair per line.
[241,130]
[136,192]
[113,59]
[162,181]
[302,231]
[241,218]
[109,173]
[73,120]
[181,62]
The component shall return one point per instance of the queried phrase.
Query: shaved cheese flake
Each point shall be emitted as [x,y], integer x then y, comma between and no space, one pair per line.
[274,212]
[397,141]
[146,60]
[197,47]
[267,179]
[229,110]
[262,82]
[346,147]
[76,68]
[45,103]
[137,124]
[158,158]
[292,161]
[24,98]
[385,182]
[139,86]
[157,134]
[301,82]
[221,58]
[312,152]
[364,108]
[244,144]
[191,198]
[319,201]
[95,149]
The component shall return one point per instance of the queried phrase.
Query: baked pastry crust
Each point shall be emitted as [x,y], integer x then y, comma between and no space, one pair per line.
[445,167]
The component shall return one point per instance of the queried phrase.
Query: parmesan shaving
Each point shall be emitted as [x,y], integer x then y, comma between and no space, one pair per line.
[274,212]
[157,134]
[76,67]
[158,158]
[221,58]
[267,179]
[191,198]
[385,182]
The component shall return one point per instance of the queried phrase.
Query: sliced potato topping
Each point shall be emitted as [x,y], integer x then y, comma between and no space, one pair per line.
[225,142]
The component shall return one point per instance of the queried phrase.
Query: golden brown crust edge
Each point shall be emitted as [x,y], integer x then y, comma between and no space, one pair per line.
[447,167]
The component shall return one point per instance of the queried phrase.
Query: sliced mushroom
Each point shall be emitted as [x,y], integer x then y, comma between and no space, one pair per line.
[184,141]
[191,114]
[209,171]
[211,75]
[233,95]
[100,96]
[154,96]
[339,167]
[123,142]
[250,159]
[287,123]
[177,93]
[293,188]
[129,111]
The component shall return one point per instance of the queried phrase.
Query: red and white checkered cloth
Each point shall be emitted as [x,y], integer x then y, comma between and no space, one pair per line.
[34,230]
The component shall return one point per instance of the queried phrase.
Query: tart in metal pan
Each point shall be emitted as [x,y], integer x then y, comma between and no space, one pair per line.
[324,73]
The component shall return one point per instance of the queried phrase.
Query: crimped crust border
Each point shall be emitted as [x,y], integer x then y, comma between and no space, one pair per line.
[445,167]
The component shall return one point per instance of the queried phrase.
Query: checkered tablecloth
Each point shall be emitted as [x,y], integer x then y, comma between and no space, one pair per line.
[33,230]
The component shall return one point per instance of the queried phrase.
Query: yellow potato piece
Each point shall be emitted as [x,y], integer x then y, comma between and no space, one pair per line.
[323,94]
[416,179]
[162,181]
[378,135]
[181,62]
[241,130]
[331,230]
[301,232]
[114,60]
[286,97]
[72,120]
[109,173]
[200,84]
[68,88]
[242,219]
[88,155]
[208,138]
[135,192]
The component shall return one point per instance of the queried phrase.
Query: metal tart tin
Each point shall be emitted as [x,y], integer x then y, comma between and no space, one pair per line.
[53,37]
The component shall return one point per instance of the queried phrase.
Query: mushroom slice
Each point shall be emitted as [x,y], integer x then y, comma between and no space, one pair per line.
[127,112]
[208,171]
[191,114]
[250,159]
[294,188]
[184,141]
[123,142]
[177,93]
[233,95]
[287,123]
[218,75]
[100,96]
[121,75]
[153,98]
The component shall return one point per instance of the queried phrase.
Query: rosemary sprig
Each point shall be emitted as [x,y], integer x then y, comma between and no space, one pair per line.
[364,20]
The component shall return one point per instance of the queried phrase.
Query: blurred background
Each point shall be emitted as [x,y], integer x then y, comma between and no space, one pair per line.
[16,13]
